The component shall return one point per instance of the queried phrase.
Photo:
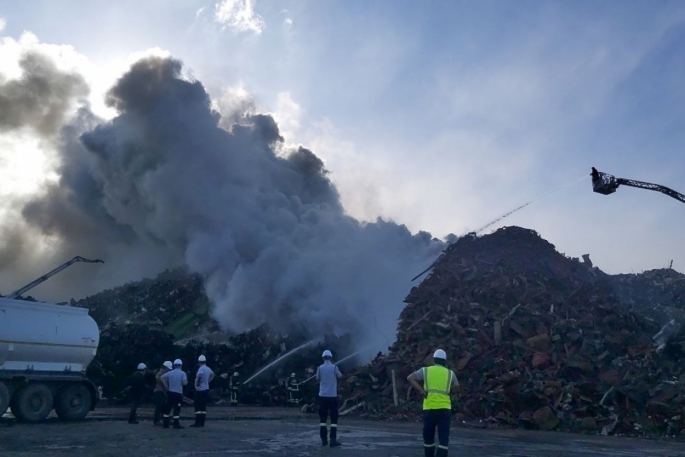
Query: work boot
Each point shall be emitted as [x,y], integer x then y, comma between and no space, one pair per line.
[323,433]
[429,451]
[166,422]
[334,437]
[203,419]
[178,426]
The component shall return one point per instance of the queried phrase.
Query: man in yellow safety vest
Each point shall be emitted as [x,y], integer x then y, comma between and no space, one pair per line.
[438,381]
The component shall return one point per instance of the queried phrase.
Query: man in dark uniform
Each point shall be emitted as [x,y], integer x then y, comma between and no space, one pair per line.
[137,392]
[234,385]
[293,390]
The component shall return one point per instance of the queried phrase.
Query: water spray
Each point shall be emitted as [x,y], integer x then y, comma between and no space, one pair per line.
[280,359]
[507,215]
[339,361]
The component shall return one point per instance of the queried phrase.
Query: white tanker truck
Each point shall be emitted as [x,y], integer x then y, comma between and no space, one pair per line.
[44,352]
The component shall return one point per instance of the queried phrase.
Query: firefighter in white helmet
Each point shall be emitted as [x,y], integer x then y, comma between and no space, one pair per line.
[202,379]
[438,382]
[159,395]
[174,381]
[327,375]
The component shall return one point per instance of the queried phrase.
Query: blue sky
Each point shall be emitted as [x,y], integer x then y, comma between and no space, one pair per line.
[440,115]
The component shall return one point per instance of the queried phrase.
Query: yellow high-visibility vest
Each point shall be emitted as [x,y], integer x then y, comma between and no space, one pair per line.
[437,382]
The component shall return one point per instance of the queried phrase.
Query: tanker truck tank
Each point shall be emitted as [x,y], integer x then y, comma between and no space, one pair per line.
[44,352]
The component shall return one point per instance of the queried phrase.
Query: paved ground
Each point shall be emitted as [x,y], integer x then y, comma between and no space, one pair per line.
[281,432]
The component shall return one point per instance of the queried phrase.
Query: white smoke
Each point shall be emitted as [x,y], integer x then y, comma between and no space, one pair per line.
[167,181]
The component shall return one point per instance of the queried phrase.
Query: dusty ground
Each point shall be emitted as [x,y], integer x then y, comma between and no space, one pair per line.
[283,432]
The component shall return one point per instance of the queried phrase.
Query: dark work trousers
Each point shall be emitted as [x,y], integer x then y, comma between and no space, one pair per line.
[328,406]
[200,400]
[132,419]
[433,418]
[174,401]
[160,402]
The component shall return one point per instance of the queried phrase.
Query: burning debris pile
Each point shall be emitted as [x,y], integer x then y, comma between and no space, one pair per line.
[122,347]
[174,301]
[536,339]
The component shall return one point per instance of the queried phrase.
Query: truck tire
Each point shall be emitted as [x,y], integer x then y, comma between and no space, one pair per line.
[4,398]
[73,402]
[33,403]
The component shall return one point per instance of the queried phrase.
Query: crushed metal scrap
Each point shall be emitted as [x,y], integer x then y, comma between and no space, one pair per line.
[537,340]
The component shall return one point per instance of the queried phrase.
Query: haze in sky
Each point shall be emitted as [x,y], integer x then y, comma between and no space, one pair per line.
[440,116]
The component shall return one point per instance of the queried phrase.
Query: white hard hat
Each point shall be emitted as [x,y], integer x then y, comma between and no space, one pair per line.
[292,375]
[142,366]
[326,353]
[440,354]
[168,365]
[202,358]
[235,374]
[178,362]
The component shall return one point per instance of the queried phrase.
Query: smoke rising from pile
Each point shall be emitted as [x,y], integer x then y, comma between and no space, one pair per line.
[163,184]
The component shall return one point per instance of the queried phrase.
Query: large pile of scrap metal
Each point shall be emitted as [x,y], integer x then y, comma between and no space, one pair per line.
[536,339]
[657,294]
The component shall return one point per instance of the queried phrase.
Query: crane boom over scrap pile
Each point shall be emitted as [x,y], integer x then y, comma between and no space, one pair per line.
[605,184]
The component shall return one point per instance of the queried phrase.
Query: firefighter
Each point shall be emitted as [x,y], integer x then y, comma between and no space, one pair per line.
[327,376]
[159,395]
[174,381]
[293,390]
[137,391]
[202,379]
[438,382]
[234,385]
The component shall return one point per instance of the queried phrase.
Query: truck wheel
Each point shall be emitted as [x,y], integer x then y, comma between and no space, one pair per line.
[73,402]
[4,398]
[33,403]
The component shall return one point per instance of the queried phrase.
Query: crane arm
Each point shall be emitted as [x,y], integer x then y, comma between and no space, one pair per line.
[45,277]
[604,183]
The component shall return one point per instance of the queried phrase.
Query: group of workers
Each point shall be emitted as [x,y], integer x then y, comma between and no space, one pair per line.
[170,380]
[435,384]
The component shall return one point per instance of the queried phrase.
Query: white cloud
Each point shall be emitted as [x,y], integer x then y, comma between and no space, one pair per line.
[200,11]
[3,23]
[239,15]
[288,22]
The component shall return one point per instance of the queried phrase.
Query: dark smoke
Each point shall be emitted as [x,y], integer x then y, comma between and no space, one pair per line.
[163,183]
[41,97]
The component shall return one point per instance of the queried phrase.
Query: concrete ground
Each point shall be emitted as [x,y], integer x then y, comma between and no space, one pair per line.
[286,432]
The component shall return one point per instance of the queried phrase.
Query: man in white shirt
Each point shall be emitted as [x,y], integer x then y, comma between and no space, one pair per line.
[174,381]
[202,379]
[327,375]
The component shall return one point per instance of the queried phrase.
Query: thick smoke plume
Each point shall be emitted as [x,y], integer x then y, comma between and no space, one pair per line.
[163,184]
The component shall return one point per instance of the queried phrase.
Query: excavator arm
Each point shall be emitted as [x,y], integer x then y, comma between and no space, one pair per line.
[17,293]
[604,183]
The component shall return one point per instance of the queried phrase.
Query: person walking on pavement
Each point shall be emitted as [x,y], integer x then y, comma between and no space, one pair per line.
[202,379]
[137,392]
[327,376]
[159,394]
[438,382]
[174,381]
